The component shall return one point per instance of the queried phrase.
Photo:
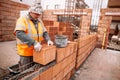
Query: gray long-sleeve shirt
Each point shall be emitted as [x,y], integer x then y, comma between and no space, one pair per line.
[26,39]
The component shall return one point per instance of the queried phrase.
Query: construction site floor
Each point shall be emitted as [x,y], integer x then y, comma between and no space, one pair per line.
[100,65]
[8,54]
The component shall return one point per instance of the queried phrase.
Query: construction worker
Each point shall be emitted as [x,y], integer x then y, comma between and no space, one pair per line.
[29,32]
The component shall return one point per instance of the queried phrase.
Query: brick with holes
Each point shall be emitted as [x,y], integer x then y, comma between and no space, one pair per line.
[46,55]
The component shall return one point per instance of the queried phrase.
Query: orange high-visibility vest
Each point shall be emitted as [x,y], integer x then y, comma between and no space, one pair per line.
[25,24]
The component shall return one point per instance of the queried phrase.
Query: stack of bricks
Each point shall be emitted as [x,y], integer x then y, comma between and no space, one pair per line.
[85,23]
[85,47]
[103,29]
[54,28]
[9,12]
[48,15]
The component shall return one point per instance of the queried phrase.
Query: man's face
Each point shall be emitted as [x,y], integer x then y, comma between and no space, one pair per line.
[35,16]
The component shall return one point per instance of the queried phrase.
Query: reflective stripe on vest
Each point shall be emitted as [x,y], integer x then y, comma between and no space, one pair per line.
[30,32]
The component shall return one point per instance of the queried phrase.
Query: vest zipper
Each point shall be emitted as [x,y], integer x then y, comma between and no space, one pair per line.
[37,31]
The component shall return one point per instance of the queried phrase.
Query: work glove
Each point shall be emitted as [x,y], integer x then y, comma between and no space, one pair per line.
[50,42]
[37,46]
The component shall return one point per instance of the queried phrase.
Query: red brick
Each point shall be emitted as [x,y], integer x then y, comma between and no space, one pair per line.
[60,33]
[60,54]
[68,76]
[75,45]
[54,78]
[79,63]
[74,55]
[60,76]
[80,51]
[46,75]
[70,59]
[67,50]
[66,70]
[56,69]
[56,23]
[64,63]
[46,55]
[80,57]
[64,52]
[36,78]
[71,48]
[72,65]
[64,78]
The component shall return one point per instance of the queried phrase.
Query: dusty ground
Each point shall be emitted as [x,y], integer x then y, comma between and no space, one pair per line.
[100,65]
[8,54]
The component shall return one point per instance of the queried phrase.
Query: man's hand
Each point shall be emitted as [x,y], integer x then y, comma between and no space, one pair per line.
[37,46]
[50,42]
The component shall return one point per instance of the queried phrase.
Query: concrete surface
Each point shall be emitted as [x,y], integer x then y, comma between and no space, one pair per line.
[100,65]
[8,54]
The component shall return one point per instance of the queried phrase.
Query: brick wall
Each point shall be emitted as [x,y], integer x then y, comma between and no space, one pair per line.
[50,21]
[9,12]
[85,47]
[68,60]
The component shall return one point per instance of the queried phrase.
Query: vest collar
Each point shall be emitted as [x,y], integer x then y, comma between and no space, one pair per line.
[34,21]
